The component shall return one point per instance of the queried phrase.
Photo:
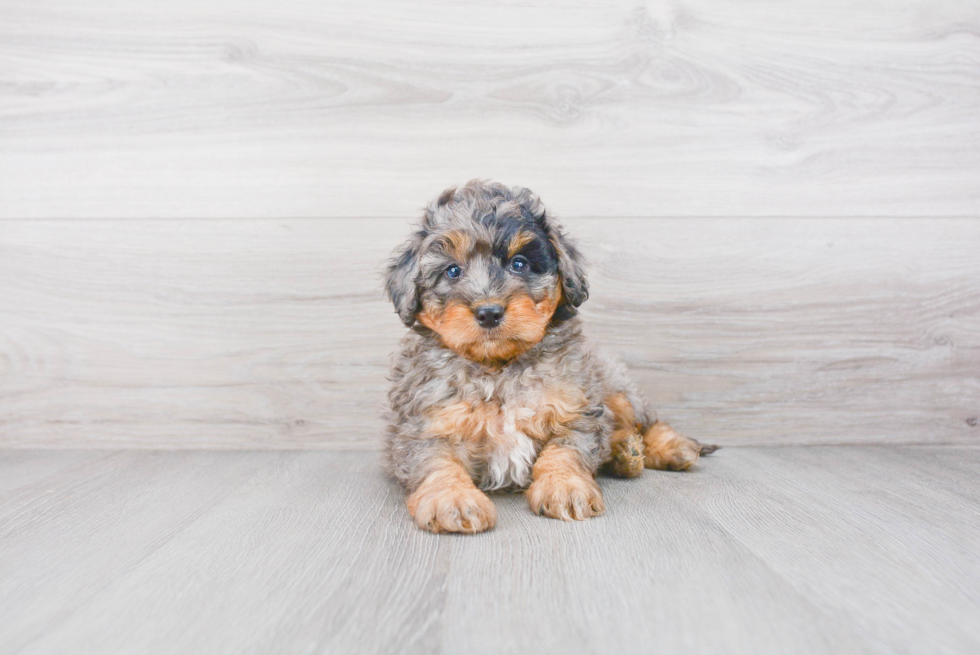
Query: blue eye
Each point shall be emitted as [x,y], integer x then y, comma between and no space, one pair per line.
[519,264]
[453,272]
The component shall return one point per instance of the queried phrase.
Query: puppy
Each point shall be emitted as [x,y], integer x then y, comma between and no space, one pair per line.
[495,388]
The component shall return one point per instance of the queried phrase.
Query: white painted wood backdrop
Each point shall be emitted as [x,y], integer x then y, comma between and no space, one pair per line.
[779,200]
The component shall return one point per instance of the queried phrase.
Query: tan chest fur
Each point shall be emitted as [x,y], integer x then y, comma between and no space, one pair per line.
[503,433]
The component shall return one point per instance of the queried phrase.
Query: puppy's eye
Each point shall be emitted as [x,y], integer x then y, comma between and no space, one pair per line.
[519,264]
[453,272]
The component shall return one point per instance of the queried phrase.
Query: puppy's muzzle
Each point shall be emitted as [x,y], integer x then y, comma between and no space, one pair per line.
[489,316]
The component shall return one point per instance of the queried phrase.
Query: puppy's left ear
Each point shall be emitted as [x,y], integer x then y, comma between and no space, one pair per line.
[571,269]
[401,277]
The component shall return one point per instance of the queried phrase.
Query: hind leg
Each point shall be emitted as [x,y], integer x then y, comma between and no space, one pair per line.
[626,458]
[637,427]
[666,450]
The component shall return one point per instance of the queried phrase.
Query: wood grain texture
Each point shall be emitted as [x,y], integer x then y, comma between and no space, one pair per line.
[275,334]
[761,550]
[364,108]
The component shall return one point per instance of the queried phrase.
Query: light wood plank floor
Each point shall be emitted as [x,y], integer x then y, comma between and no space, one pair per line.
[760,550]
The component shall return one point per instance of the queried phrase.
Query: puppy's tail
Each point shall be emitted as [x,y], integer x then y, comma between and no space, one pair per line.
[708,448]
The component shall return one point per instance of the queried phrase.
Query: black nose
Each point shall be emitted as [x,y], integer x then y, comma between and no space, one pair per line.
[488,316]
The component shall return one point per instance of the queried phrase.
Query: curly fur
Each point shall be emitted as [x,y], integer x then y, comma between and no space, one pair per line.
[524,403]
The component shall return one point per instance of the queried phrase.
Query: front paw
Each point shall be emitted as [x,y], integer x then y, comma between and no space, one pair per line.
[566,497]
[452,509]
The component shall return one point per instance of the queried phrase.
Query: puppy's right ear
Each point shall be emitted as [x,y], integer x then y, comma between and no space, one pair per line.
[401,279]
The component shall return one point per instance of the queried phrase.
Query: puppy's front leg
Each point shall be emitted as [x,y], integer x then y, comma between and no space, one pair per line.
[448,501]
[562,486]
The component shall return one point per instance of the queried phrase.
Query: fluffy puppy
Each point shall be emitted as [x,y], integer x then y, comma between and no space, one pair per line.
[495,387]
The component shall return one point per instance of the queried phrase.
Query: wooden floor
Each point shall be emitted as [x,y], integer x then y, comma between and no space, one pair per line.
[870,549]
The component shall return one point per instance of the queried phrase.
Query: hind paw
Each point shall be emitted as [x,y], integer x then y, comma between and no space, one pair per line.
[627,459]
[664,449]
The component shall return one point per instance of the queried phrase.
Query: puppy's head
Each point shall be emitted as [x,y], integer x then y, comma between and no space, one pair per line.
[487,271]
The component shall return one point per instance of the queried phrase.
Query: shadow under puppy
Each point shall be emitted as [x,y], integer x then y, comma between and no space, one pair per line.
[496,388]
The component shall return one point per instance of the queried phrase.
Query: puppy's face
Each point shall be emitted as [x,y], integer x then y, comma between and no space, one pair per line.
[489,290]
[487,272]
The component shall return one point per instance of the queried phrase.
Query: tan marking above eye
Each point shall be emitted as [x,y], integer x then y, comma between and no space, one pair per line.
[518,241]
[457,244]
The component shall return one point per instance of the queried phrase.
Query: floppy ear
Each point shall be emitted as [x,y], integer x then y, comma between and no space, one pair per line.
[401,276]
[571,269]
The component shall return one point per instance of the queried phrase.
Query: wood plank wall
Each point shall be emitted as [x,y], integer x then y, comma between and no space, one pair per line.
[779,202]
